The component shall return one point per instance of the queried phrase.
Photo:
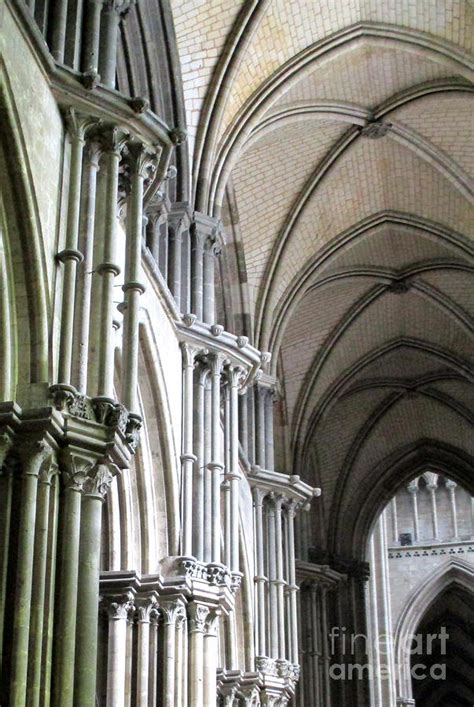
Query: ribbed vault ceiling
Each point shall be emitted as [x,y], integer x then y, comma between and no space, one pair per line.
[357,251]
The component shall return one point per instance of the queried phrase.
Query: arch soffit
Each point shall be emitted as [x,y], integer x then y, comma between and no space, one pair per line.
[456,571]
[163,422]
[398,468]
[34,275]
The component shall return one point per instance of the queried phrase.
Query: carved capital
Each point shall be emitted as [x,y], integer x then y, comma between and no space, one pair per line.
[146,608]
[78,125]
[35,454]
[120,608]
[173,612]
[141,160]
[112,140]
[98,480]
[189,354]
[198,614]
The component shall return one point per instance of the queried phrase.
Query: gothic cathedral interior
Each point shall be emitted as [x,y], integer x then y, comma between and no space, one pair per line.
[236,347]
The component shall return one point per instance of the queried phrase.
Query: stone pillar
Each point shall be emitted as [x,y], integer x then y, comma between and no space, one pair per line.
[243,423]
[91,36]
[211,251]
[172,611]
[153,674]
[70,256]
[96,486]
[6,493]
[215,466]
[74,468]
[235,377]
[142,164]
[33,456]
[181,665]
[451,486]
[118,612]
[326,656]
[145,608]
[84,273]
[200,462]
[394,520]
[198,614]
[269,442]
[413,490]
[260,579]
[188,459]
[432,485]
[113,141]
[176,224]
[279,580]
[207,530]
[210,658]
[197,271]
[38,598]
[292,586]
[112,13]
[272,610]
[58,30]
[260,426]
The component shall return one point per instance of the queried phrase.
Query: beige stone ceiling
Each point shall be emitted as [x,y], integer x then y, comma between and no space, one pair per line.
[358,252]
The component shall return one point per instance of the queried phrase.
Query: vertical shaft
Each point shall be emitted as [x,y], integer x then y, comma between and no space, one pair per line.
[32,460]
[39,578]
[70,256]
[118,612]
[260,573]
[84,273]
[107,269]
[187,457]
[95,488]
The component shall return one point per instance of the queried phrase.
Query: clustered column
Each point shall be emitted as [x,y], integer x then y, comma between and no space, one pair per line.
[315,649]
[210,472]
[85,41]
[87,339]
[275,585]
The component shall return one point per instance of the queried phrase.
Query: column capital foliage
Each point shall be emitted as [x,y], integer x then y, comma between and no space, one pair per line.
[35,455]
[121,7]
[141,159]
[173,611]
[198,614]
[112,139]
[79,125]
[119,608]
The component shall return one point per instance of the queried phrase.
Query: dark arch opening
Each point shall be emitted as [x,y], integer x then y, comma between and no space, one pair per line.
[443,644]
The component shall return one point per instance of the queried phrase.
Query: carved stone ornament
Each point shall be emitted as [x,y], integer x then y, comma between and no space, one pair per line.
[120,609]
[400,286]
[375,129]
[132,432]
[198,614]
[139,104]
[177,136]
[98,481]
[217,329]
[218,574]
[242,341]
[189,319]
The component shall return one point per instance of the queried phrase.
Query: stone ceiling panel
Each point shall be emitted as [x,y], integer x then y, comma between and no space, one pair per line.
[390,317]
[395,247]
[458,285]
[289,26]
[372,176]
[311,324]
[366,75]
[447,121]
[267,181]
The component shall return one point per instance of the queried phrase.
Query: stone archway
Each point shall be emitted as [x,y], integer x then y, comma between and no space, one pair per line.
[428,602]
